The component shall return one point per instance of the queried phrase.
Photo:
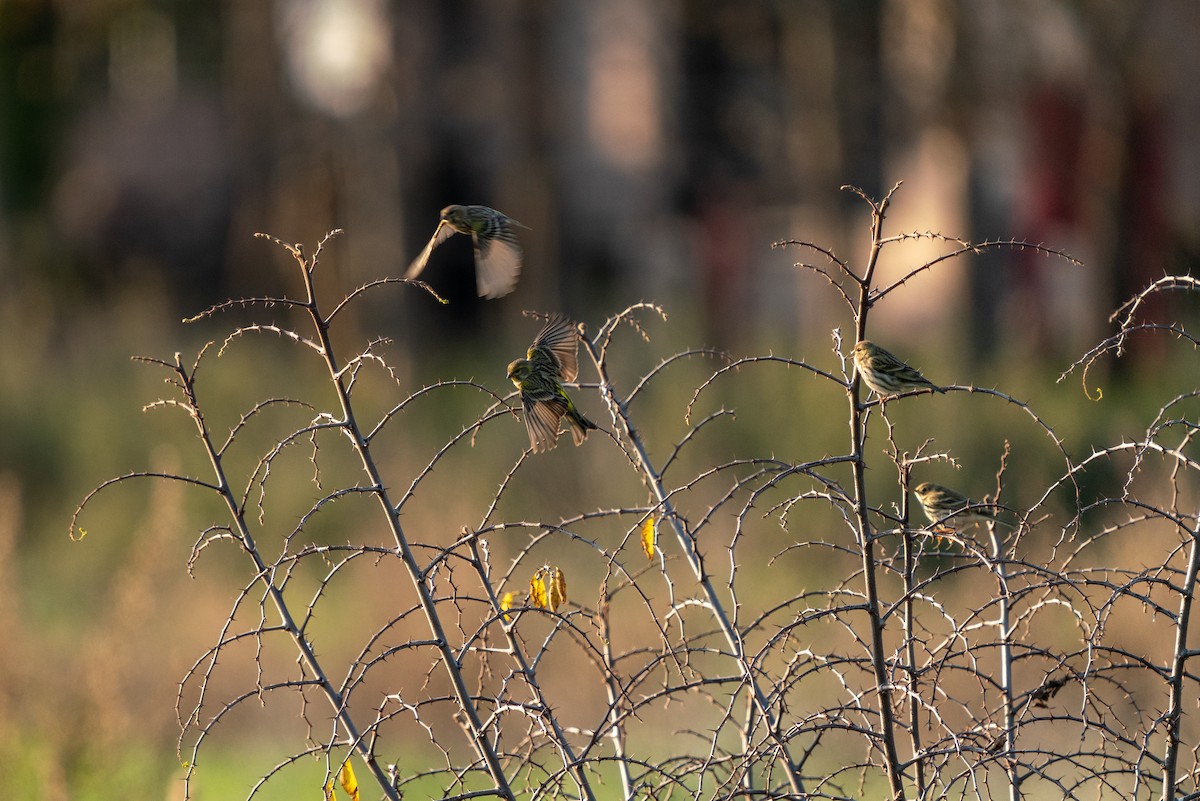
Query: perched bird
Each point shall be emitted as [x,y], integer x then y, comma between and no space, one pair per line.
[552,359]
[950,509]
[886,374]
[497,254]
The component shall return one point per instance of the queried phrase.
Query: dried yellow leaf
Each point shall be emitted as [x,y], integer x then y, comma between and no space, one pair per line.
[537,588]
[329,790]
[506,603]
[648,537]
[557,595]
[349,783]
[548,588]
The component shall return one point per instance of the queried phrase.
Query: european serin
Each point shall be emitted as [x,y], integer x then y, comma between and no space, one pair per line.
[497,254]
[886,374]
[949,509]
[552,359]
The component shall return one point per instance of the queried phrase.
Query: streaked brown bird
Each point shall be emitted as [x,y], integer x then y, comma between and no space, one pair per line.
[885,374]
[951,509]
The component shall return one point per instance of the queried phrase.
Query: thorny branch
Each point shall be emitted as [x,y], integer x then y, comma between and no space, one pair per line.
[882,653]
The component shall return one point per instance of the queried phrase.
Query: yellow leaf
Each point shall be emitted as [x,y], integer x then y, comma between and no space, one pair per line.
[548,588]
[537,589]
[329,790]
[557,595]
[506,603]
[349,783]
[648,537]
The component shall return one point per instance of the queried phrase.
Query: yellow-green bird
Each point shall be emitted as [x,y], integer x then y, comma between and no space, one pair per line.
[951,509]
[497,254]
[552,359]
[886,374]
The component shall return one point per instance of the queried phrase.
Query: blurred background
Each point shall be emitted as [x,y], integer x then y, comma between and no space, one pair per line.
[654,150]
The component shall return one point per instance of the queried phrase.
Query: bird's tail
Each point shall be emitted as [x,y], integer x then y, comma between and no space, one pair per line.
[990,513]
[580,425]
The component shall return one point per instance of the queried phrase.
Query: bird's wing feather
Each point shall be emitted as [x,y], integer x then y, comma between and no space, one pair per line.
[560,340]
[444,231]
[497,266]
[542,416]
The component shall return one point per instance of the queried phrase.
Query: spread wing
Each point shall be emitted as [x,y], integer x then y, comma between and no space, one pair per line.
[542,417]
[497,265]
[444,231]
[558,342]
